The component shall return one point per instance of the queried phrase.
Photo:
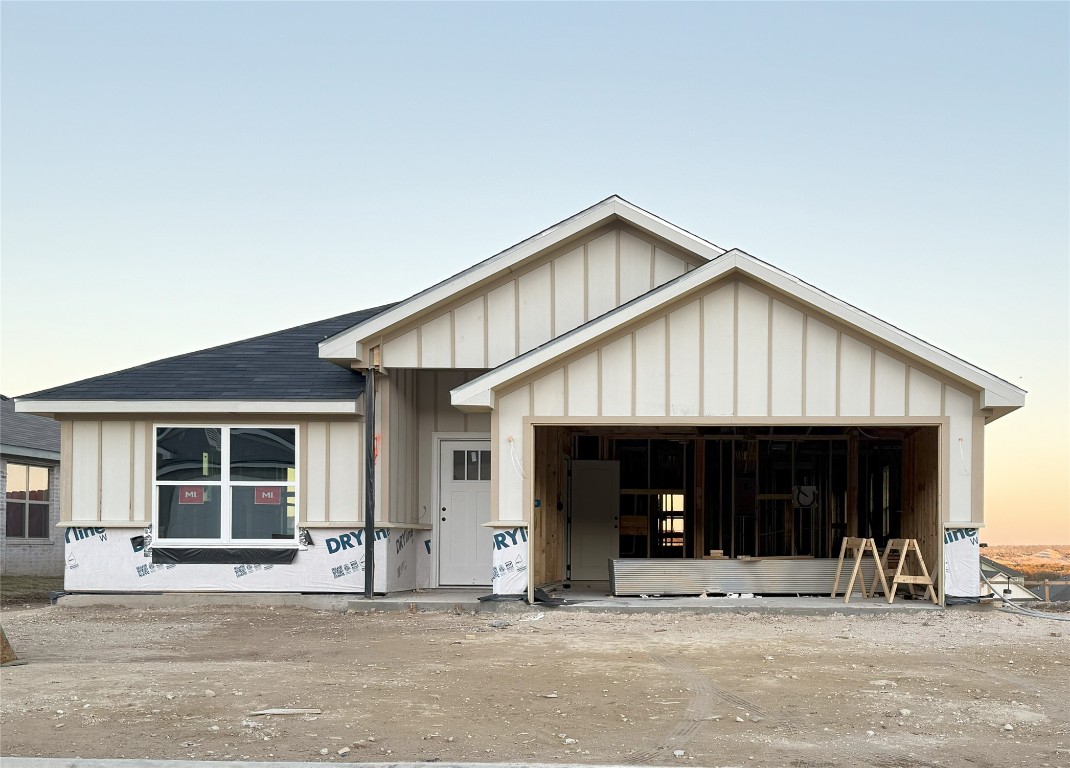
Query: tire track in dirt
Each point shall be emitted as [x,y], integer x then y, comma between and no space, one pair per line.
[698,709]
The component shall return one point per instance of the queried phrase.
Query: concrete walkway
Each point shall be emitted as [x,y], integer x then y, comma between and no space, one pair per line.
[467,601]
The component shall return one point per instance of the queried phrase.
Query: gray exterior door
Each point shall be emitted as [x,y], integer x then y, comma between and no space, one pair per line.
[594,536]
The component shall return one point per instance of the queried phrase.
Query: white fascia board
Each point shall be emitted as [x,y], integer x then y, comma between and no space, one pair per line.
[347,344]
[994,390]
[480,401]
[666,230]
[325,407]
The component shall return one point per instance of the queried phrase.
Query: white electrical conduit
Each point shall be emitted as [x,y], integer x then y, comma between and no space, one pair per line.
[1026,611]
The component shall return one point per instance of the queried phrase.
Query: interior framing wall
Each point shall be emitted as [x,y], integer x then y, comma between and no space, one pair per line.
[550,488]
[922,518]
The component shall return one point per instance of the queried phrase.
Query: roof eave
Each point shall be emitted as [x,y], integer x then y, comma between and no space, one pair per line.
[22,452]
[316,407]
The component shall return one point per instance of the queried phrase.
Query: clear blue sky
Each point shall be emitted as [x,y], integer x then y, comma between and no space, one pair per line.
[180,175]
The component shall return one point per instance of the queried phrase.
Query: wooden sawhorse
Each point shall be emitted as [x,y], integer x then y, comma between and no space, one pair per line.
[860,547]
[902,548]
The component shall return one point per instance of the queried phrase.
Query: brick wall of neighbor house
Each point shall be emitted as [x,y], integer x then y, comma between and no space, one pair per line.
[33,557]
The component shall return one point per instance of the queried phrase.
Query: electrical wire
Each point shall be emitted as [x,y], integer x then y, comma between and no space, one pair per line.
[518,465]
[1026,611]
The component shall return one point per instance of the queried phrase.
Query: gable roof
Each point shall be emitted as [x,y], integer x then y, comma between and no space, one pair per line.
[24,434]
[279,366]
[996,394]
[345,347]
[990,567]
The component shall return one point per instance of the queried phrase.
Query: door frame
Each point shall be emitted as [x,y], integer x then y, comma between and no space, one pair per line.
[437,438]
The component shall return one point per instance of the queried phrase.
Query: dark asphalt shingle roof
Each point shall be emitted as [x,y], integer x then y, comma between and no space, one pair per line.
[284,365]
[27,430]
[990,566]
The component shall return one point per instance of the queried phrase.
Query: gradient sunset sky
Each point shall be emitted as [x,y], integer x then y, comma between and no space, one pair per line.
[180,175]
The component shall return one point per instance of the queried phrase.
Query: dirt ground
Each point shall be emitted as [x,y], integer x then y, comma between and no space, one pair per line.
[962,687]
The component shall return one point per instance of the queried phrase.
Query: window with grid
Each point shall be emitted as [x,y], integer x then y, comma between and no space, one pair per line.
[228,485]
[26,501]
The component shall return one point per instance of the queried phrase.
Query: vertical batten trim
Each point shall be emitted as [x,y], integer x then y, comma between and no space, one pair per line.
[486,330]
[653,258]
[805,334]
[668,371]
[66,470]
[383,487]
[434,399]
[702,356]
[516,317]
[553,298]
[453,339]
[839,338]
[327,465]
[586,286]
[906,390]
[943,404]
[564,377]
[302,473]
[735,348]
[769,358]
[616,301]
[635,372]
[598,360]
[872,381]
[419,348]
[497,455]
[100,470]
[130,496]
[150,450]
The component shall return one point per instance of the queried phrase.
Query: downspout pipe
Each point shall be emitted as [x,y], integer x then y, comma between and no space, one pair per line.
[369,483]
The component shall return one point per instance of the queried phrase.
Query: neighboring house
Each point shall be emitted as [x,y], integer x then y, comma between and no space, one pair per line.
[613,390]
[1005,581]
[30,543]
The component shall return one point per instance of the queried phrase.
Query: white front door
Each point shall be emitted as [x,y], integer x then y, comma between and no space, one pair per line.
[464,544]
[595,536]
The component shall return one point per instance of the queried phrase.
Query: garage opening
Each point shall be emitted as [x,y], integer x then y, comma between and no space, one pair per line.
[631,495]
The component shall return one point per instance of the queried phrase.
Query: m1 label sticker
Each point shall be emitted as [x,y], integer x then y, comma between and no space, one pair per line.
[273,495]
[191,494]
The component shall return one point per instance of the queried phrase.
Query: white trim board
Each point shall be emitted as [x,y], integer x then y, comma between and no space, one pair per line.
[478,394]
[346,346]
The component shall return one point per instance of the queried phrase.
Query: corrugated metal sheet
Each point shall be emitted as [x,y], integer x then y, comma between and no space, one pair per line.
[759,576]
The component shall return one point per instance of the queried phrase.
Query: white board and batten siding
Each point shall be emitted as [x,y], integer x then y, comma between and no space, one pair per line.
[549,296]
[107,478]
[742,350]
[106,472]
[412,406]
